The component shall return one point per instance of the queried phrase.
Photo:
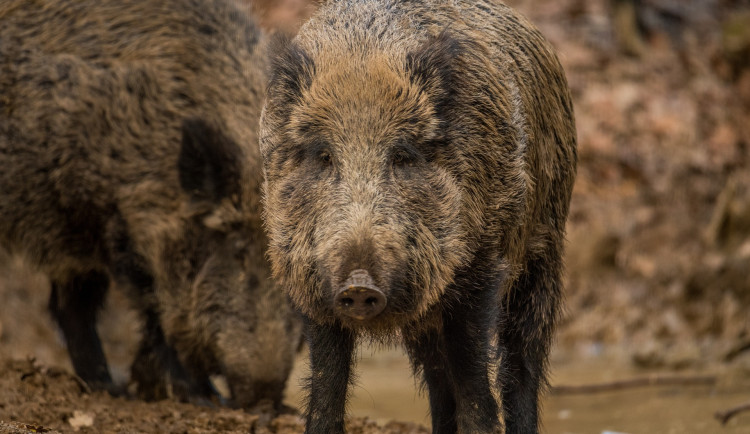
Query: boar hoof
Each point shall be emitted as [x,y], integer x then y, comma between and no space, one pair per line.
[359,298]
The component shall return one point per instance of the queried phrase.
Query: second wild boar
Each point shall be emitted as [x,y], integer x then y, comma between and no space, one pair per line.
[128,147]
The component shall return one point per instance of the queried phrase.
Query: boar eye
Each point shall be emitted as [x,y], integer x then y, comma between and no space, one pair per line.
[403,157]
[321,156]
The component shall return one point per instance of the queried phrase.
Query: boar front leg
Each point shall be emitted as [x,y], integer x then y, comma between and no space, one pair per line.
[455,365]
[74,304]
[156,369]
[426,353]
[158,373]
[331,350]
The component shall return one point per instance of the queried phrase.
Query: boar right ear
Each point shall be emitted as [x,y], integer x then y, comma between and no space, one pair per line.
[292,70]
[209,163]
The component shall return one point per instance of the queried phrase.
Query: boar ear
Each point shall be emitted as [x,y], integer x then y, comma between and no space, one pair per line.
[292,70]
[209,163]
[432,67]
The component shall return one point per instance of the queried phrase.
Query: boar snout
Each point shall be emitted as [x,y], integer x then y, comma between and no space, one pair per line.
[359,298]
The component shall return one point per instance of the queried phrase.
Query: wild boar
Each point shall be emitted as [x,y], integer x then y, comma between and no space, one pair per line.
[129,154]
[419,158]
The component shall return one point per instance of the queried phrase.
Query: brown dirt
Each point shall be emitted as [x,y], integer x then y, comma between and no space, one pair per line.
[659,233]
[54,399]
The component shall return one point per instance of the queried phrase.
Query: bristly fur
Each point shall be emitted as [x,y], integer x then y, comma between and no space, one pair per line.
[128,154]
[431,143]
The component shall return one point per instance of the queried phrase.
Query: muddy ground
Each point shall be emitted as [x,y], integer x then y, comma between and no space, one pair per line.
[658,260]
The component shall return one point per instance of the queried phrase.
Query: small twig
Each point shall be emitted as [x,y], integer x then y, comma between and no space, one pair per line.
[58,372]
[81,384]
[651,380]
[736,351]
[724,416]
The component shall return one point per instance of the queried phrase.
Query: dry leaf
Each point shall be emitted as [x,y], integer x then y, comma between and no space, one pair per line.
[81,419]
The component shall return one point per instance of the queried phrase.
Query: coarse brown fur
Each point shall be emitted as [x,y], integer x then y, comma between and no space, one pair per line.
[128,147]
[431,143]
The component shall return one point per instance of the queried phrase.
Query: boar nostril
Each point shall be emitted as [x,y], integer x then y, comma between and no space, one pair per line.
[359,298]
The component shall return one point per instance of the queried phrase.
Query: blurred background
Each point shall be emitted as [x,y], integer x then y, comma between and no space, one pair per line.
[658,255]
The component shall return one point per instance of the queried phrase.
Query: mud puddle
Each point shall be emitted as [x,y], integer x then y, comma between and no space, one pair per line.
[386,391]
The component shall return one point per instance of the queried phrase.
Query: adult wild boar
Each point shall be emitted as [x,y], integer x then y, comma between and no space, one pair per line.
[419,158]
[128,147]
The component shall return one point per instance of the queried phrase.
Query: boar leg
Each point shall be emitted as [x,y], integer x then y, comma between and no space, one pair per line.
[157,370]
[74,304]
[331,350]
[456,365]
[530,311]
[426,354]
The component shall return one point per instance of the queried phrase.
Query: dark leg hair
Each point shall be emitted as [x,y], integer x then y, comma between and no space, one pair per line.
[157,370]
[74,304]
[455,364]
[331,356]
[530,312]
[426,354]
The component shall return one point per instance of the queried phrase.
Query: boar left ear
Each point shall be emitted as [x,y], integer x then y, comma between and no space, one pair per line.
[433,67]
[209,163]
